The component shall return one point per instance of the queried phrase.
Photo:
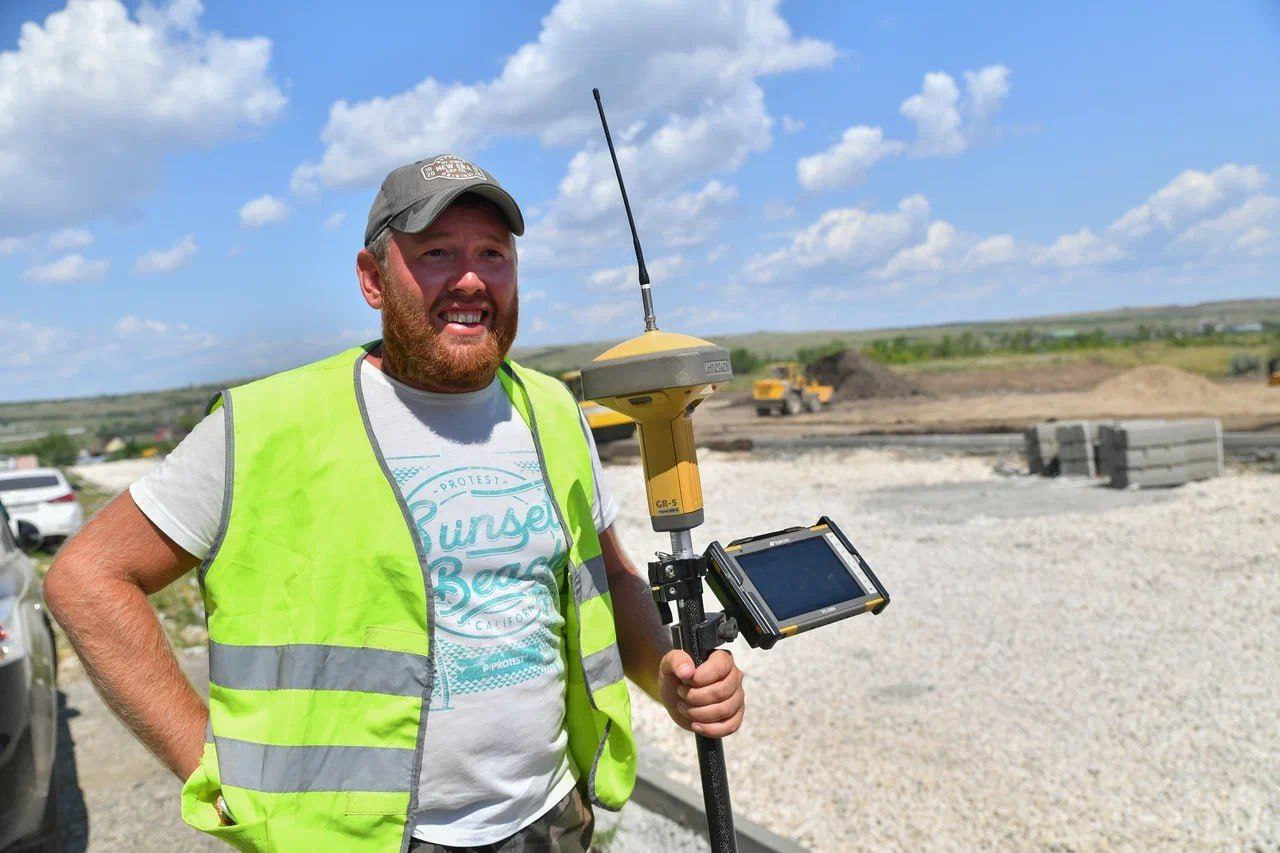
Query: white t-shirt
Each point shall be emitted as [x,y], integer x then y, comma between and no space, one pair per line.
[496,754]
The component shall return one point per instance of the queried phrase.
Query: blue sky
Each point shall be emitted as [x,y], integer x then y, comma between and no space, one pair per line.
[183,188]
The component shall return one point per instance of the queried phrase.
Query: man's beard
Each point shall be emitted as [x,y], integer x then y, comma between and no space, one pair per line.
[416,353]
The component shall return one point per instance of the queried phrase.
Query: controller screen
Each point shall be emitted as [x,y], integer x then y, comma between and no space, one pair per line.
[800,577]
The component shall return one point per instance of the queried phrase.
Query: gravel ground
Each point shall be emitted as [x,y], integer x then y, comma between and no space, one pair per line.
[1062,666]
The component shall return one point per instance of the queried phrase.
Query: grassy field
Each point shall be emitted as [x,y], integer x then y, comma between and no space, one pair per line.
[1121,322]
[1211,361]
[142,412]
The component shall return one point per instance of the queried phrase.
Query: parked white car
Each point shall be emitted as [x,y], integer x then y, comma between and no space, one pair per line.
[43,498]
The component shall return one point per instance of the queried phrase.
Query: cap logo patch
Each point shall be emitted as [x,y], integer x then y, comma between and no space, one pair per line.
[452,167]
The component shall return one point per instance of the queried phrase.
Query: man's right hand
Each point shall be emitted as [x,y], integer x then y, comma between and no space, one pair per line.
[97,589]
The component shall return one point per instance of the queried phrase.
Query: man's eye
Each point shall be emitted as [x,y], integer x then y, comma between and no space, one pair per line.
[435,253]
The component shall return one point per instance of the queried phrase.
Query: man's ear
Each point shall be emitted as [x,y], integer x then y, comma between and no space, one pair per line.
[369,274]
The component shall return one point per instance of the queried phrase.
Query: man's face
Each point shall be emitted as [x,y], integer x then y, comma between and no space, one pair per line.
[450,308]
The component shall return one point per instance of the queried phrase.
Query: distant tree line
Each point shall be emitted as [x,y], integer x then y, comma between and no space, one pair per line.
[903,349]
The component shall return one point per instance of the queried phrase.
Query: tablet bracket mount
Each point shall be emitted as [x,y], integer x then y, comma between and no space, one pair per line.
[679,579]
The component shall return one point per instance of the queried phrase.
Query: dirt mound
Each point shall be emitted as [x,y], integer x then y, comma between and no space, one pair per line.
[1158,383]
[856,377]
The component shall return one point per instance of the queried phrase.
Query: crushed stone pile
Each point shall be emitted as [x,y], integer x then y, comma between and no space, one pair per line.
[1158,383]
[856,377]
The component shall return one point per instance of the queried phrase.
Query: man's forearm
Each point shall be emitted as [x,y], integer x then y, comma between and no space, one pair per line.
[642,638]
[127,656]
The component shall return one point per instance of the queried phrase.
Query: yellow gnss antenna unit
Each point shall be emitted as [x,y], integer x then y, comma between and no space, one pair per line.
[658,379]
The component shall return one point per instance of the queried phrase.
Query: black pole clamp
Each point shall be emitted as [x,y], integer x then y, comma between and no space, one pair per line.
[680,579]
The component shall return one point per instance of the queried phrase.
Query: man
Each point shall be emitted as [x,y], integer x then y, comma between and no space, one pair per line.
[419,612]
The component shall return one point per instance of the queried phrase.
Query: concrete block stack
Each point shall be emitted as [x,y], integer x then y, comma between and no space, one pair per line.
[1161,453]
[1077,442]
[1041,443]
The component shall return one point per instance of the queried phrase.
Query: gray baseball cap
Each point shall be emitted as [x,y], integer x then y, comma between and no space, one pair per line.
[413,196]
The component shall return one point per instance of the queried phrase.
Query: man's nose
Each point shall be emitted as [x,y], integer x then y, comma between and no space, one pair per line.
[470,283]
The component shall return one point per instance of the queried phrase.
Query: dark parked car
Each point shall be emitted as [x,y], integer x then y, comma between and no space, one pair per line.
[28,699]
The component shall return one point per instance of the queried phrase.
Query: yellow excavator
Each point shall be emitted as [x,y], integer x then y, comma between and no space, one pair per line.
[786,390]
[605,424]
[1273,370]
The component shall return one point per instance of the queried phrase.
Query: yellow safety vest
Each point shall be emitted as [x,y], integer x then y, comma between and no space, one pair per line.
[319,601]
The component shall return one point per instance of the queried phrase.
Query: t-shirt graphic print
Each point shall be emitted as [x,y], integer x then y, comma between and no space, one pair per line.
[496,556]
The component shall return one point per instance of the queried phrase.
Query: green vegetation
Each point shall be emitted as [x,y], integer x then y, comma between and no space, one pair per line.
[56,450]
[744,361]
[1209,351]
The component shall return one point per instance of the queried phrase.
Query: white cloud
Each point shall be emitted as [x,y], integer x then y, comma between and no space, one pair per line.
[529,297]
[717,139]
[1198,221]
[334,220]
[263,210]
[945,125]
[1250,228]
[987,90]
[1000,249]
[591,318]
[93,101]
[792,125]
[690,218]
[717,253]
[1189,196]
[9,245]
[70,238]
[685,108]
[167,260]
[625,278]
[936,115]
[69,269]
[684,58]
[130,325]
[846,163]
[850,237]
[24,344]
[1083,248]
[926,257]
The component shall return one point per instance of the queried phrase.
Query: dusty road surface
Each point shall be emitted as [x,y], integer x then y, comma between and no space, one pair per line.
[1063,666]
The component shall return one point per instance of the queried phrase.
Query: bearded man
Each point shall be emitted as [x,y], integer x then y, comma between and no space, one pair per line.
[419,613]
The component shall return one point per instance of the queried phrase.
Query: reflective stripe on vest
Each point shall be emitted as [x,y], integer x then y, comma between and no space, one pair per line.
[319,613]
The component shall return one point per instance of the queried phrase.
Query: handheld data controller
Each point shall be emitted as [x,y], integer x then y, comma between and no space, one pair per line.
[790,581]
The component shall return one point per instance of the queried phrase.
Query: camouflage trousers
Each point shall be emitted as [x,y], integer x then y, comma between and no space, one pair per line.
[566,828]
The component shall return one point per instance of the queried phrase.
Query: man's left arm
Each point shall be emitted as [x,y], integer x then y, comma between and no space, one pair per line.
[707,700]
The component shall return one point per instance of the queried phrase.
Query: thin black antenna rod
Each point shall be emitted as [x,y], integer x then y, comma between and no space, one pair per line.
[650,321]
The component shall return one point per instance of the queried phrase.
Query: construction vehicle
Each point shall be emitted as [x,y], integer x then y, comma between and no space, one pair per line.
[1273,370]
[787,391]
[605,424]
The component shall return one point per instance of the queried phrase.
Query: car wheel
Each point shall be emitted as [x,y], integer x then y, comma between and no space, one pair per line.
[763,411]
[792,405]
